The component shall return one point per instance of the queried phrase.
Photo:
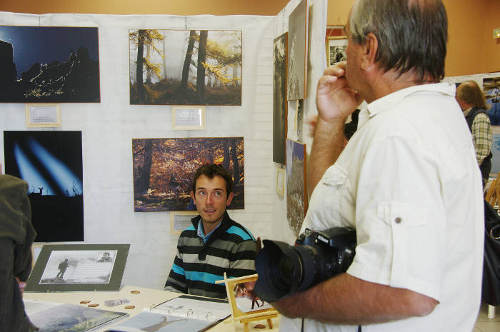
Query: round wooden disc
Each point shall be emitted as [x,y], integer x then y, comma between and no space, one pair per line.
[93,305]
[129,306]
[135,291]
[84,301]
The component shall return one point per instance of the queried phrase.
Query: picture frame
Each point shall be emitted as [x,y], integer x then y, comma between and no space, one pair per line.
[280,181]
[188,118]
[43,115]
[336,49]
[180,220]
[88,267]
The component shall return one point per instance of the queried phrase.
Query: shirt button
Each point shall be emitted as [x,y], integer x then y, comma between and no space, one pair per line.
[398,220]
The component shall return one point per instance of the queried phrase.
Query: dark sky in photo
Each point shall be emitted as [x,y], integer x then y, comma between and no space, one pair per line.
[47,44]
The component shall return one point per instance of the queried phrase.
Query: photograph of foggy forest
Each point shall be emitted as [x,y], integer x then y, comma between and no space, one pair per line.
[49,64]
[164,169]
[185,67]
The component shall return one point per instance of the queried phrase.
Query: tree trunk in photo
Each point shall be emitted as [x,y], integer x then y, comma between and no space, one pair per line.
[200,73]
[236,166]
[164,55]
[140,66]
[148,69]
[145,173]
[187,60]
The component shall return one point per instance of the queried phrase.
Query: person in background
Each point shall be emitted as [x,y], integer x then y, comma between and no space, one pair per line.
[16,236]
[214,243]
[473,104]
[407,182]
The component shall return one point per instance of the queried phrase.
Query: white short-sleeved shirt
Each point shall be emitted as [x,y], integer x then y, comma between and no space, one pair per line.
[408,181]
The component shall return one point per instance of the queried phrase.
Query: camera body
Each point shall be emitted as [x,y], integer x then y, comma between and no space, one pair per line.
[284,270]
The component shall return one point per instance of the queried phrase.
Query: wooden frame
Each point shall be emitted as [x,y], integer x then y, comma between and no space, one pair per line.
[43,115]
[183,218]
[246,317]
[42,277]
[188,118]
[333,45]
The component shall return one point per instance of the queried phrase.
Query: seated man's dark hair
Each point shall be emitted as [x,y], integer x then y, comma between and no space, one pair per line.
[211,170]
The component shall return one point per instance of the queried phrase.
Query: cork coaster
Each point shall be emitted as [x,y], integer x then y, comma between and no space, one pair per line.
[129,306]
[84,302]
[135,291]
[93,305]
[260,326]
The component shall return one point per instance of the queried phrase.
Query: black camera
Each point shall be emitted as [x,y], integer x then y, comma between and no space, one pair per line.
[284,270]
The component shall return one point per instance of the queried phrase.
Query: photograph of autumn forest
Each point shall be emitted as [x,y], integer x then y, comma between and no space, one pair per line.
[185,67]
[164,169]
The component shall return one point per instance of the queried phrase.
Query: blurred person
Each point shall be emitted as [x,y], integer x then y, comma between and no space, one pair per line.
[474,106]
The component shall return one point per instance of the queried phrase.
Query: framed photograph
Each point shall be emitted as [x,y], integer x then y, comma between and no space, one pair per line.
[49,64]
[185,67]
[296,196]
[280,181]
[280,104]
[188,118]
[298,23]
[52,165]
[79,267]
[180,220]
[164,169]
[43,115]
[336,50]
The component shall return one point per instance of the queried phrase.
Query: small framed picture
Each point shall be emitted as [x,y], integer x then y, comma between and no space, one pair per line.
[280,181]
[78,267]
[181,220]
[188,118]
[43,115]
[336,49]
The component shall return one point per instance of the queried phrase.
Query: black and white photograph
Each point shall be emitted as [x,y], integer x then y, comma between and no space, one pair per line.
[79,267]
[336,50]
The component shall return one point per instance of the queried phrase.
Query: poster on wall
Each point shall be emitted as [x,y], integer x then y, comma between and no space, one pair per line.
[297,51]
[51,163]
[49,64]
[296,198]
[185,67]
[280,105]
[164,169]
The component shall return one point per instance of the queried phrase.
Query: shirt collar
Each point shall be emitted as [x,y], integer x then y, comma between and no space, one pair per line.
[389,101]
[467,111]
[202,235]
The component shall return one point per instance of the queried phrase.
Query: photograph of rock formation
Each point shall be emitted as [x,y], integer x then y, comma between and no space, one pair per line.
[49,64]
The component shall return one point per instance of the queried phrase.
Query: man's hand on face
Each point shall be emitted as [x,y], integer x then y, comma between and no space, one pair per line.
[334,98]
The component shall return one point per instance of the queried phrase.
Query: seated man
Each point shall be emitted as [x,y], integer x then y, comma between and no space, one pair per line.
[16,236]
[214,244]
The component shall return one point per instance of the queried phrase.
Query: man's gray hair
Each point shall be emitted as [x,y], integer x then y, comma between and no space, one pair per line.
[411,34]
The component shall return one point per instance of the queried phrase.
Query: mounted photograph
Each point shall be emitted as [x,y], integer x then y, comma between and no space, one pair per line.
[185,67]
[49,64]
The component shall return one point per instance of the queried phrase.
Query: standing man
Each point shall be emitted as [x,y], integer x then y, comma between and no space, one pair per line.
[214,243]
[473,103]
[63,266]
[407,181]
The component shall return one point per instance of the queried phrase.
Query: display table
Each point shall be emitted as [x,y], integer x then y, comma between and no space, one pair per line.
[140,298]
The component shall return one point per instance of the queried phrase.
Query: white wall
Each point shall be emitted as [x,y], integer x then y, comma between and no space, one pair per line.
[109,127]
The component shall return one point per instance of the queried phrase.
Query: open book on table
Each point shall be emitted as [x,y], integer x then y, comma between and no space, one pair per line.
[184,313]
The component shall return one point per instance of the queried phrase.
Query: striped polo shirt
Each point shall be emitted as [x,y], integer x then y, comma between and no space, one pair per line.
[231,248]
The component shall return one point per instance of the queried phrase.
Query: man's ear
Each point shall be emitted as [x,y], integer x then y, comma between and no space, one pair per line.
[229,199]
[192,195]
[370,48]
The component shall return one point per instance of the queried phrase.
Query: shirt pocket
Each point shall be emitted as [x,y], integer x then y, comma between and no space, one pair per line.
[329,205]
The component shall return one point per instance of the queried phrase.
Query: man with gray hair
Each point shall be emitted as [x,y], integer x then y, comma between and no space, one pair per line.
[407,181]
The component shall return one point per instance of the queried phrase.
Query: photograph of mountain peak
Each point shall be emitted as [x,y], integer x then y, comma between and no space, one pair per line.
[49,64]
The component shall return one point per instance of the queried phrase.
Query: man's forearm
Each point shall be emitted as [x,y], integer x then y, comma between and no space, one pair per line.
[329,141]
[348,300]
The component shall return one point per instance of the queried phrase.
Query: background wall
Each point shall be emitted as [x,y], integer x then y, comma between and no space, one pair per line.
[108,128]
[471,48]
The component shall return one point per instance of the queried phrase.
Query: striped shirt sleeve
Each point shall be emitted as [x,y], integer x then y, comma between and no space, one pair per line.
[483,138]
